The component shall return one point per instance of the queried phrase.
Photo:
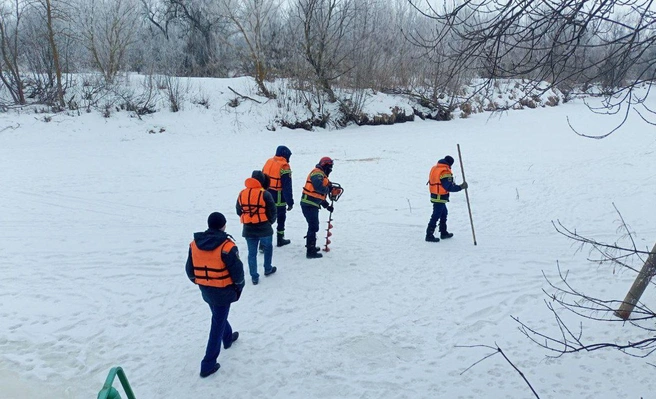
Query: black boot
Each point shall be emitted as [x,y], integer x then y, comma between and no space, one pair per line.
[443,233]
[429,235]
[313,251]
[281,240]
[315,243]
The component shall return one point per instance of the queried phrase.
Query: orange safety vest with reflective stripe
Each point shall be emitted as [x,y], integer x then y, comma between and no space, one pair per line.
[437,173]
[308,189]
[251,201]
[209,268]
[274,168]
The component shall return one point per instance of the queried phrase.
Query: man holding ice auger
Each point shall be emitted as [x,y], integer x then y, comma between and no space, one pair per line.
[441,183]
[317,188]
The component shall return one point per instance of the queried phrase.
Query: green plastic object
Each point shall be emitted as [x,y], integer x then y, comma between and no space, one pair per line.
[109,392]
[113,394]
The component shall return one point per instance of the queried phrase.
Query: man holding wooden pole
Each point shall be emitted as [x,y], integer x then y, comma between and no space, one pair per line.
[440,182]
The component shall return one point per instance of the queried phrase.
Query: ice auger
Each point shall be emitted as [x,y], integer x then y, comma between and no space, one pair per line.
[336,191]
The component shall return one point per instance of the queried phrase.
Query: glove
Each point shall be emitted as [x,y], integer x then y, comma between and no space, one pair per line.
[238,291]
[464,185]
[290,206]
[330,208]
[335,191]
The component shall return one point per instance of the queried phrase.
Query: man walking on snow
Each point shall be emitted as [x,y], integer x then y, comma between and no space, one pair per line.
[214,265]
[280,174]
[441,183]
[257,212]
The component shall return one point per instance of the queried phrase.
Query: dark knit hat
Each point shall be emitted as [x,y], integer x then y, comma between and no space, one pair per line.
[264,180]
[449,160]
[216,221]
[283,151]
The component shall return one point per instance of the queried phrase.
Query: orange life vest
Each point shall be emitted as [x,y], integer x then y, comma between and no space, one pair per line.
[251,201]
[274,168]
[308,189]
[438,172]
[209,268]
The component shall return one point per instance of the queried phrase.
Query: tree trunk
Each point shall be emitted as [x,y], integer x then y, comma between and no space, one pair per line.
[638,288]
[260,76]
[10,58]
[55,53]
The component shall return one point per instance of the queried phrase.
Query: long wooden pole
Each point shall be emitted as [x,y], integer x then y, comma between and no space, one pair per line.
[471,221]
[639,285]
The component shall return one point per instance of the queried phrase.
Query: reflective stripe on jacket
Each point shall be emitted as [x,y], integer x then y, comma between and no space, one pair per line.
[209,268]
[310,194]
[251,201]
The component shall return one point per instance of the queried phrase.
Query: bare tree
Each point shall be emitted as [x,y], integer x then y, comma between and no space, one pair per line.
[557,41]
[383,57]
[159,14]
[253,19]
[160,41]
[52,14]
[204,22]
[10,71]
[325,26]
[108,28]
[565,297]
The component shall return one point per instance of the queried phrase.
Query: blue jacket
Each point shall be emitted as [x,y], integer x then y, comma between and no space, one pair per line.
[207,241]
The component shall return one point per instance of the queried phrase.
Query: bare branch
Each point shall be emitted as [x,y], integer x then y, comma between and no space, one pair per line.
[497,350]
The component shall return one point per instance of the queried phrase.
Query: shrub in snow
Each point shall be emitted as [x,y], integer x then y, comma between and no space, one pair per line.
[300,104]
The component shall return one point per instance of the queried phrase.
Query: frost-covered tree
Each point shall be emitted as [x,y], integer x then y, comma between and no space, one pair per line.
[556,41]
[203,27]
[108,28]
[324,27]
[11,14]
[253,21]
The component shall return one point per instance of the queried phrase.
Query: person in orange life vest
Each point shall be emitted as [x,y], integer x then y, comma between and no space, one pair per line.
[441,184]
[257,212]
[317,187]
[280,173]
[214,265]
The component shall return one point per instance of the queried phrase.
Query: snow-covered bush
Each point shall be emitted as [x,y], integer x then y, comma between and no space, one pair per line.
[299,104]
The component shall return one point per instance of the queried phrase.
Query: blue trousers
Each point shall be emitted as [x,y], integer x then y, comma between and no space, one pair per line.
[220,331]
[282,217]
[439,213]
[311,214]
[267,245]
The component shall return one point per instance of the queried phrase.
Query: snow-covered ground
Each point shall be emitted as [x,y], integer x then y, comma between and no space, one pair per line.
[96,216]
